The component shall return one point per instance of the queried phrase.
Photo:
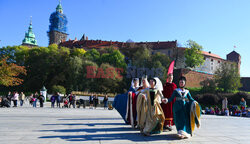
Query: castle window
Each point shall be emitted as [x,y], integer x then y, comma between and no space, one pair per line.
[218,61]
[212,68]
[169,53]
[212,60]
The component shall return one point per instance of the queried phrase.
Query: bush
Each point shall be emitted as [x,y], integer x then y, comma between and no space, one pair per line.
[209,99]
[58,88]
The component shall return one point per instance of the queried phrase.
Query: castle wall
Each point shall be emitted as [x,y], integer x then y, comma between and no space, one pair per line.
[194,78]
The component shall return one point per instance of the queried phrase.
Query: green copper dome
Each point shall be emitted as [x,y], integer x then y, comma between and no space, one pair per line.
[30,38]
[59,8]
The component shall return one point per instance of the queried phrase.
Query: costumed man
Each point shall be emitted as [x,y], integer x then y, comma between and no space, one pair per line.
[168,89]
[141,105]
[131,103]
[120,102]
[186,110]
[154,114]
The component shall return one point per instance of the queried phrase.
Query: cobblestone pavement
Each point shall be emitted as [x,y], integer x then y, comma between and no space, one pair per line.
[27,125]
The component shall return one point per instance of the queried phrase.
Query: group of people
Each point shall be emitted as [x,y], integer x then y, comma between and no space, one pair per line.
[14,97]
[94,101]
[152,107]
[233,110]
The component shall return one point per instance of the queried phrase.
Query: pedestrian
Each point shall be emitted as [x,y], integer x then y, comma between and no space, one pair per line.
[105,101]
[41,100]
[58,100]
[22,97]
[15,99]
[35,99]
[72,100]
[9,97]
[96,101]
[53,100]
[91,101]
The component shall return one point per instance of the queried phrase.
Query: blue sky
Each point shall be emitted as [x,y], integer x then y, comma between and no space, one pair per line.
[217,25]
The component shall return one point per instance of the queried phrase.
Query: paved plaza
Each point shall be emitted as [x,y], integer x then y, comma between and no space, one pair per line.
[29,125]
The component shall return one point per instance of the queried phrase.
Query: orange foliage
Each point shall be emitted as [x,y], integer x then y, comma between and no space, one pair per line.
[9,73]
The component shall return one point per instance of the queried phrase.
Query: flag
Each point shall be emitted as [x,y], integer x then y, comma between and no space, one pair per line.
[171,68]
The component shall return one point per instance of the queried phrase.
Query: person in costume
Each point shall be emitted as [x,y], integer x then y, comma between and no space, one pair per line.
[120,101]
[154,114]
[168,89]
[131,104]
[186,110]
[141,105]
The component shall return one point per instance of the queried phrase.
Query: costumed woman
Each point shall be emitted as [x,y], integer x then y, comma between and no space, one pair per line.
[131,103]
[141,105]
[120,101]
[154,114]
[168,89]
[186,110]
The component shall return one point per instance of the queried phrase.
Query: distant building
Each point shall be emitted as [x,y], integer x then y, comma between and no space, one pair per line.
[169,48]
[29,39]
[58,26]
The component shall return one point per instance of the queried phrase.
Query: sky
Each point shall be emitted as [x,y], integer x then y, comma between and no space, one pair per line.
[217,25]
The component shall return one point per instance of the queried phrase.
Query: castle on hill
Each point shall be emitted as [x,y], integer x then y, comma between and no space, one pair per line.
[57,34]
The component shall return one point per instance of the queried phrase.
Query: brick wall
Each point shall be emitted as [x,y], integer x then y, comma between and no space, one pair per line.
[193,78]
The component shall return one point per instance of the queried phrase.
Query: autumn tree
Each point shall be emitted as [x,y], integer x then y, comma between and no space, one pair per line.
[9,73]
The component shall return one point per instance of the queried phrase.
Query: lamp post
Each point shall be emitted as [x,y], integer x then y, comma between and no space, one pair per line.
[43,92]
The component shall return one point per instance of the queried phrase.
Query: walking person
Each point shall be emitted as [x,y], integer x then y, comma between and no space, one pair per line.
[22,98]
[34,100]
[41,100]
[105,101]
[9,97]
[53,100]
[15,99]
[96,101]
[35,96]
[186,110]
[72,100]
[58,100]
[91,101]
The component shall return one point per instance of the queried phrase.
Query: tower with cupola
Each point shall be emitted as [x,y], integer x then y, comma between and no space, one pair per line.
[30,39]
[58,26]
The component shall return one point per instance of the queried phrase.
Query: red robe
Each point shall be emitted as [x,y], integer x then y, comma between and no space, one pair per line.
[168,89]
[131,109]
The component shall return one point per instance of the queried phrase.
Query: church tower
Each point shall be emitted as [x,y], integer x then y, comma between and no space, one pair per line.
[29,39]
[57,28]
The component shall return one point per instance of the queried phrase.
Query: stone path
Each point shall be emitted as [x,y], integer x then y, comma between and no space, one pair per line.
[29,125]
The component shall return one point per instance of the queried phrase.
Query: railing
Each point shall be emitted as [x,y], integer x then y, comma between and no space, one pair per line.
[81,93]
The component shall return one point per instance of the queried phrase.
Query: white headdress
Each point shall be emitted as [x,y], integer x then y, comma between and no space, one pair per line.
[158,84]
[132,83]
[146,81]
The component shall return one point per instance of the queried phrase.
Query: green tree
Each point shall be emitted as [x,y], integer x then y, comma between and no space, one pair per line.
[92,55]
[193,54]
[227,77]
[58,88]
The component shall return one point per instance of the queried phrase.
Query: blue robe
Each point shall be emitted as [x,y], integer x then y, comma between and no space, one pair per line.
[181,110]
[120,103]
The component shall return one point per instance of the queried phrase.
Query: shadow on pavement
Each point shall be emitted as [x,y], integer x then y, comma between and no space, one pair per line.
[87,124]
[91,133]
[136,137]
